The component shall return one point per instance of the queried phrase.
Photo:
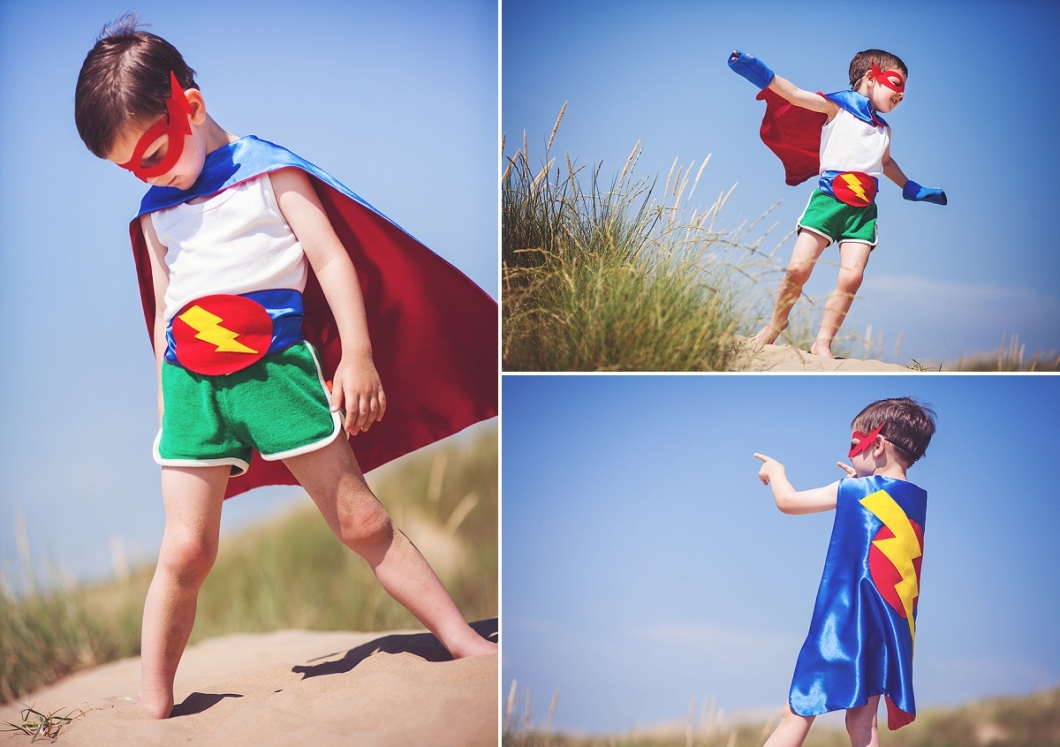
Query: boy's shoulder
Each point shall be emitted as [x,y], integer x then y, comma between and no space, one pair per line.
[888,498]
[858,105]
[872,483]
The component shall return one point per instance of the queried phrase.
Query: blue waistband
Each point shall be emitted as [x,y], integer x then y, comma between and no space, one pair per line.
[827,177]
[284,307]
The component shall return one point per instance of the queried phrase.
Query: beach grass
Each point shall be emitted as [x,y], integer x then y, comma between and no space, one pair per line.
[1012,356]
[626,274]
[603,275]
[288,573]
[1027,721]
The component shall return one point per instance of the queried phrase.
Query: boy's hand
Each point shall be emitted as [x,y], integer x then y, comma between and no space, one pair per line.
[751,68]
[847,468]
[357,390]
[916,193]
[771,469]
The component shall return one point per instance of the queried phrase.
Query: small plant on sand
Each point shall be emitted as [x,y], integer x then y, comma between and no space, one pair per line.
[608,276]
[37,724]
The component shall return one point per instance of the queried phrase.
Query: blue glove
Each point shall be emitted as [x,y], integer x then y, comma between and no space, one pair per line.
[751,68]
[913,191]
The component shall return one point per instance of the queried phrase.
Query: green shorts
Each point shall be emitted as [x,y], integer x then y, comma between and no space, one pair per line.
[279,406]
[837,221]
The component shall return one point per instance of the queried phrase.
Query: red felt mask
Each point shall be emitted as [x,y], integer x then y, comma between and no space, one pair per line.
[883,77]
[864,440]
[174,125]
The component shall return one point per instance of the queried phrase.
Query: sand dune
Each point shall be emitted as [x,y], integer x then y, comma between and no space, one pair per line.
[785,358]
[292,687]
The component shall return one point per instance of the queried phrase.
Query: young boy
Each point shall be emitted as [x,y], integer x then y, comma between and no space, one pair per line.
[841,137]
[860,644]
[256,313]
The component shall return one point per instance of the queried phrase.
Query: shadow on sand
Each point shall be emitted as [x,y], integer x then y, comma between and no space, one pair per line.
[424,645]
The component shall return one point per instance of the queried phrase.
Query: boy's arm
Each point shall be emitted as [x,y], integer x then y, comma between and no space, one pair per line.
[754,70]
[791,501]
[160,281]
[892,171]
[356,387]
[910,189]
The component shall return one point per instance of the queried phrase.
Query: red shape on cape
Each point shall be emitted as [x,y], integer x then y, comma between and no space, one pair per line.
[885,576]
[433,331]
[794,134]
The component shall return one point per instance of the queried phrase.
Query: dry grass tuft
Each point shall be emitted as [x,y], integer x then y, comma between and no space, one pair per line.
[606,276]
[1029,721]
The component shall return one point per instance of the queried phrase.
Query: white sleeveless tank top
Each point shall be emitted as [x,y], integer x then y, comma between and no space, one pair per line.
[849,144]
[235,242]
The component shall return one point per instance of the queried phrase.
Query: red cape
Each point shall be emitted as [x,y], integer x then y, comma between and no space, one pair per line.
[434,332]
[794,134]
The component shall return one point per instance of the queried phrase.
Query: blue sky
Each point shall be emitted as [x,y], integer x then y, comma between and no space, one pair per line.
[396,100]
[643,561]
[976,121]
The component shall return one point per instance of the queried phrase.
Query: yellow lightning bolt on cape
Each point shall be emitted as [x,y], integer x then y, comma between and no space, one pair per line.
[209,330]
[901,550]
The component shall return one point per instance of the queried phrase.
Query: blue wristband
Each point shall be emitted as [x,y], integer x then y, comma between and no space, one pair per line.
[750,67]
[916,193]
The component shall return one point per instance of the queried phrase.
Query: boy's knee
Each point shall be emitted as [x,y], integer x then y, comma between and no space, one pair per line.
[850,279]
[798,273]
[364,523]
[188,559]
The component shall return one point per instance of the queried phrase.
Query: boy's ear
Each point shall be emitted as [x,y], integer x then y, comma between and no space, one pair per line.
[197,105]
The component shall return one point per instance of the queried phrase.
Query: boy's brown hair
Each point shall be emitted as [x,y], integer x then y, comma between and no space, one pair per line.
[863,60]
[125,81]
[909,425]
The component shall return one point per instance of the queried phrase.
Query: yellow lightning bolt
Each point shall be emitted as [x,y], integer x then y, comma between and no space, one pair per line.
[901,549]
[209,329]
[855,186]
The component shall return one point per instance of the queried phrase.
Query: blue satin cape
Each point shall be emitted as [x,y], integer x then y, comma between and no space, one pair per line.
[859,645]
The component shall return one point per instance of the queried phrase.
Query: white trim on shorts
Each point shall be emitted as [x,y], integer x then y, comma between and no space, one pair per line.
[243,466]
[799,227]
[236,462]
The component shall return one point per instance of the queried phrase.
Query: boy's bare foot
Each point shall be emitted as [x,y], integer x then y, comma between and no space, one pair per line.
[822,350]
[159,706]
[767,335]
[473,645]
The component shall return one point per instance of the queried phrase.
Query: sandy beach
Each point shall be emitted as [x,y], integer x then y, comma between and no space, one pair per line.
[291,687]
[785,358]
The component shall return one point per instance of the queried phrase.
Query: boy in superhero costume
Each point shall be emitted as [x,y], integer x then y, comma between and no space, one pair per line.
[262,330]
[861,637]
[841,138]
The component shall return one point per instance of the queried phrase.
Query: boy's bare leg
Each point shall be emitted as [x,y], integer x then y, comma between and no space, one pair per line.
[861,724]
[333,479]
[808,248]
[791,731]
[192,497]
[853,257]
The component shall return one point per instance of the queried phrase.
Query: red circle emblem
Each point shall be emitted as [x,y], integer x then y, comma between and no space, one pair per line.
[854,188]
[221,334]
[883,572]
